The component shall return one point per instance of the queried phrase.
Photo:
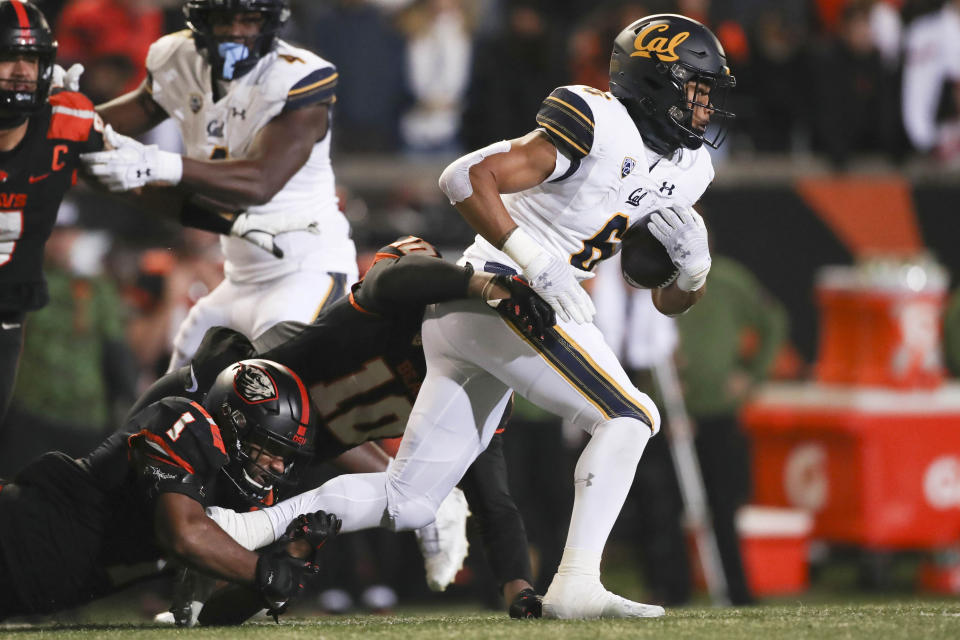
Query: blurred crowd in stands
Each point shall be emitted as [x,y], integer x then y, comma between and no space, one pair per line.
[426,80]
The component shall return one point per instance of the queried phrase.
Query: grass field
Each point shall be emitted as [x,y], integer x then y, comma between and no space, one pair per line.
[891,620]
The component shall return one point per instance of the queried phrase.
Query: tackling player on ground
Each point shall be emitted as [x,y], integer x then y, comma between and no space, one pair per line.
[598,162]
[363,362]
[254,115]
[72,530]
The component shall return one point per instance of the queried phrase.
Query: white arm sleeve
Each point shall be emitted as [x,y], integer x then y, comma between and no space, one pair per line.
[455,179]
[251,530]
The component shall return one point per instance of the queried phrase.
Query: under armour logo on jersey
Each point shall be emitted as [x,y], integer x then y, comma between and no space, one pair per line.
[586,481]
[238,113]
[627,166]
[667,188]
[143,172]
[636,196]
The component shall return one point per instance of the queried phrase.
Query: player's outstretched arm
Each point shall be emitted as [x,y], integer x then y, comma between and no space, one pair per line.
[133,113]
[184,530]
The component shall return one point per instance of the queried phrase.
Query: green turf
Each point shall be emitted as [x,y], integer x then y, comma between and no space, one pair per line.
[887,620]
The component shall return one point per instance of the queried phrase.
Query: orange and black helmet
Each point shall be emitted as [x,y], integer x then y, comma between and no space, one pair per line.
[24,31]
[261,405]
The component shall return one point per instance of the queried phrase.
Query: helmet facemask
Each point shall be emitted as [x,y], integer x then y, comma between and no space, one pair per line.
[253,452]
[231,59]
[699,113]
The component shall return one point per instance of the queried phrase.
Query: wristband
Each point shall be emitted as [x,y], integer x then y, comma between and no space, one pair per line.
[169,167]
[521,248]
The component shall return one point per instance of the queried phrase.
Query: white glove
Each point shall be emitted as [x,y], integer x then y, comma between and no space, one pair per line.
[68,79]
[557,282]
[262,229]
[131,164]
[684,235]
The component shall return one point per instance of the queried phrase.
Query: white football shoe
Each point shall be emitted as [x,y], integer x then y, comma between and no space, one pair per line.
[572,596]
[443,543]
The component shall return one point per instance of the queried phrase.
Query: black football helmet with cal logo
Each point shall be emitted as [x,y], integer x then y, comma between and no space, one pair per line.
[25,32]
[232,60]
[261,407]
[662,68]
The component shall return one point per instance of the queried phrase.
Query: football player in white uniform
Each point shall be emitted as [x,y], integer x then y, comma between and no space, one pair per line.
[254,114]
[598,162]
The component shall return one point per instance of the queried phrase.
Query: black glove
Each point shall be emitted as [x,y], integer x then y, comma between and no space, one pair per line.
[316,528]
[527,604]
[280,577]
[533,312]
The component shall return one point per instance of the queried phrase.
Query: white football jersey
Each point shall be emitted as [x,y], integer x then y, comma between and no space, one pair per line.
[613,180]
[287,77]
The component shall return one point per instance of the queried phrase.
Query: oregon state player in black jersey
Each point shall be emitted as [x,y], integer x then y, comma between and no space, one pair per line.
[75,530]
[41,137]
[363,362]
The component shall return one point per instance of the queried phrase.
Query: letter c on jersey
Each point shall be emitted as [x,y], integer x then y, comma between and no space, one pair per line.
[58,151]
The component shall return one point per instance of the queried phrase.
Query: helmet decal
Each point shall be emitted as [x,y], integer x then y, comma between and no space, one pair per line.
[664,49]
[254,384]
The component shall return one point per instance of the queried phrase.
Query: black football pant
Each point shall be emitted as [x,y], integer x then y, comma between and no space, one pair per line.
[11,344]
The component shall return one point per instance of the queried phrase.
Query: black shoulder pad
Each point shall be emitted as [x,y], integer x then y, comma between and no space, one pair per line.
[568,120]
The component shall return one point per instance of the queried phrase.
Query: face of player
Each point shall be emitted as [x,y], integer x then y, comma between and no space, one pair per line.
[262,461]
[19,71]
[242,27]
[698,94]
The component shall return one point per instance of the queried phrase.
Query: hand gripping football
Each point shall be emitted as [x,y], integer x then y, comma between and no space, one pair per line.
[643,258]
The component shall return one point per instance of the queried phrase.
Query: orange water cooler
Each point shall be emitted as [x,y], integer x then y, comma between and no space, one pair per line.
[871,446]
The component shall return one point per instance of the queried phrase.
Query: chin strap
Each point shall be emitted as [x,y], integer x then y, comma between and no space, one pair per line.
[652,131]
[12,121]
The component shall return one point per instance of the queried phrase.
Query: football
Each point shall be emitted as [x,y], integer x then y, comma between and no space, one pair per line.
[644,260]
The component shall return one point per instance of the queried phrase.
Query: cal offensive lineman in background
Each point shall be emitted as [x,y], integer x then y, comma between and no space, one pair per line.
[254,115]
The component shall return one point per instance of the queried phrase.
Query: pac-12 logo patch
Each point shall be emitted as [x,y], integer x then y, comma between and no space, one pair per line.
[627,166]
[254,384]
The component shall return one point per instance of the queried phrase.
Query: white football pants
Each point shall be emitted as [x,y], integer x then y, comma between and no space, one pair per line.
[474,358]
[253,307]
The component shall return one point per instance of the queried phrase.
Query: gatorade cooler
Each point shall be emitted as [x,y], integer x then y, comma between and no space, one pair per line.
[775,545]
[880,324]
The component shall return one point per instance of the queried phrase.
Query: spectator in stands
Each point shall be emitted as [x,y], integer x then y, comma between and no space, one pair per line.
[931,82]
[854,106]
[110,38]
[776,65]
[528,48]
[361,40]
[951,334]
[439,48]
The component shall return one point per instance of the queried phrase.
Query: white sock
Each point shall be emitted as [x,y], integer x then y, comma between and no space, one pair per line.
[358,499]
[580,562]
[602,479]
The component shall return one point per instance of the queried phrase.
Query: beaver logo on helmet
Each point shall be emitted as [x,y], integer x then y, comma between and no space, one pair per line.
[254,384]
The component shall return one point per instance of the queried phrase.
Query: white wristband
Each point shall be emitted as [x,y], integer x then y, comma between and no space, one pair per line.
[169,167]
[521,248]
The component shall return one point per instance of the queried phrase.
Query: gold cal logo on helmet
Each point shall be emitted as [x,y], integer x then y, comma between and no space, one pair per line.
[661,46]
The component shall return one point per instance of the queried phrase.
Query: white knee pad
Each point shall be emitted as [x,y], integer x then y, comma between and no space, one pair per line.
[455,179]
